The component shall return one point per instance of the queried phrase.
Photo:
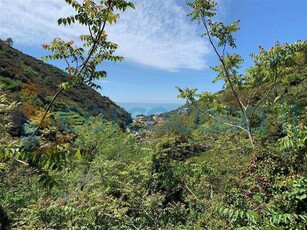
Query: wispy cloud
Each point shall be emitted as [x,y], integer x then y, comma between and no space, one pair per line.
[103,82]
[33,22]
[157,34]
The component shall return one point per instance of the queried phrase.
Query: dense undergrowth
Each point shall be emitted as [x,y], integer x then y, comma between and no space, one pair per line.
[195,171]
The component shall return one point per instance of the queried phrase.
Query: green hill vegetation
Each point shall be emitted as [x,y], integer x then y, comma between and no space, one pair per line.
[235,160]
[34,83]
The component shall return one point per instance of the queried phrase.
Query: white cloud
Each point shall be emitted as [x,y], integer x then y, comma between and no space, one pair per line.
[103,82]
[34,22]
[157,34]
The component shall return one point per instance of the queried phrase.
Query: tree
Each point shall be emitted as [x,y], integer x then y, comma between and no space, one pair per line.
[204,12]
[82,61]
[9,41]
[221,37]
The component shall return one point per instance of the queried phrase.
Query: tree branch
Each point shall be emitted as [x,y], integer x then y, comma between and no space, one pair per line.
[95,42]
[47,110]
[22,162]
[226,74]
[266,96]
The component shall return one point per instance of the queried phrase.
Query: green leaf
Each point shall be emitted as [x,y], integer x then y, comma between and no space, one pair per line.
[131,5]
[78,154]
[64,85]
[302,197]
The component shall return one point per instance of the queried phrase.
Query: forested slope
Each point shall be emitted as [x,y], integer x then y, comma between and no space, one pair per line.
[236,160]
[34,83]
[195,171]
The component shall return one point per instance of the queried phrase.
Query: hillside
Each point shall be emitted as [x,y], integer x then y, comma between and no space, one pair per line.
[34,82]
[234,159]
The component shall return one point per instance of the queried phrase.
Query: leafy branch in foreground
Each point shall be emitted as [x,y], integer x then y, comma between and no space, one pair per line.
[82,68]
[204,11]
[82,61]
[6,108]
[274,62]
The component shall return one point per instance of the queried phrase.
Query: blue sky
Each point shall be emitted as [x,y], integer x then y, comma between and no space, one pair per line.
[162,48]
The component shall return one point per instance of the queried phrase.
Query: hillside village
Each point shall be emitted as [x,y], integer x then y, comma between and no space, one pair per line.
[142,125]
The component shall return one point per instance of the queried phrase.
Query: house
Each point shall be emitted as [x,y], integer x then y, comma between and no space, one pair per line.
[184,111]
[150,124]
[140,118]
[158,119]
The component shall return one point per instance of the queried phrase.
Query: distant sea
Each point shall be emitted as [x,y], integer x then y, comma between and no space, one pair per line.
[136,108]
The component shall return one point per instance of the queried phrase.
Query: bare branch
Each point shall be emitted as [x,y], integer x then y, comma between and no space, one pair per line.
[186,186]
[19,161]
